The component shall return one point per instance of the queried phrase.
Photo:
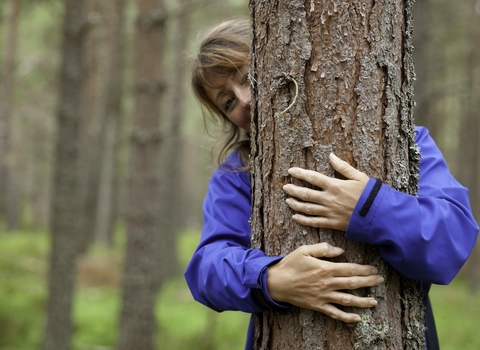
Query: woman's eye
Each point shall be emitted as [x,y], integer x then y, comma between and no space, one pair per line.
[229,103]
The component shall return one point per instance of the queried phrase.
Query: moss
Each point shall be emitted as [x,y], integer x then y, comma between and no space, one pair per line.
[369,331]
[413,314]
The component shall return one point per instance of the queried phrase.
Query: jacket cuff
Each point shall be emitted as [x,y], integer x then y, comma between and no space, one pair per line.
[365,210]
[266,299]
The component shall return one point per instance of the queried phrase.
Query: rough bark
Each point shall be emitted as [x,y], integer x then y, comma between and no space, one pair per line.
[353,66]
[140,279]
[8,195]
[65,199]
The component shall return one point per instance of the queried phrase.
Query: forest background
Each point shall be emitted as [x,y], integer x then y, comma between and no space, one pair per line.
[447,93]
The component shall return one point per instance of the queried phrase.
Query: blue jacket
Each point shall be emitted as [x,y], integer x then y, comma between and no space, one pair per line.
[426,238]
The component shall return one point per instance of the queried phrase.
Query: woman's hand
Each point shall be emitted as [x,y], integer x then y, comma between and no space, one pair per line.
[332,206]
[303,279]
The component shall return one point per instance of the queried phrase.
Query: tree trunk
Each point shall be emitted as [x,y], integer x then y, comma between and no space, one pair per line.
[352,63]
[173,216]
[468,157]
[108,190]
[140,279]
[8,195]
[92,124]
[424,69]
[66,200]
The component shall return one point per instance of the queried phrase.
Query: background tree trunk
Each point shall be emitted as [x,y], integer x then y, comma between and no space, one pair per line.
[93,125]
[353,66]
[468,154]
[66,199]
[8,187]
[173,219]
[140,279]
[425,66]
[431,64]
[107,208]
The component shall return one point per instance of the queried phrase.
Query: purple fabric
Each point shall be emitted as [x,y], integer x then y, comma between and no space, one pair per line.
[426,238]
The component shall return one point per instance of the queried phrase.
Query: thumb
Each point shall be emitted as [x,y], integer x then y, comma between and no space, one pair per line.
[344,168]
[323,250]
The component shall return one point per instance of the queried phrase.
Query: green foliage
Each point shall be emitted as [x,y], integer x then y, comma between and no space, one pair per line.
[22,289]
[456,312]
[95,314]
[182,322]
[186,324]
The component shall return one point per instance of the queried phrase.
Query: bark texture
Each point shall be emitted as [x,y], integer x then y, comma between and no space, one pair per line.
[352,64]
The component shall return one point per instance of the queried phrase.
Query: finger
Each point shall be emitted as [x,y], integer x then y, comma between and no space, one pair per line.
[306,207]
[344,168]
[351,270]
[356,282]
[310,176]
[346,299]
[317,221]
[305,194]
[322,250]
[337,314]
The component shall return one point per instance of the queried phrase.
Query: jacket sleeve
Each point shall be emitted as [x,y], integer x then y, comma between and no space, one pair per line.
[224,273]
[426,237]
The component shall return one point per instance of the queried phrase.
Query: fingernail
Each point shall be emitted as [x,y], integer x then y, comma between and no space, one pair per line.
[374,271]
[380,280]
[338,250]
[373,302]
[357,319]
[288,201]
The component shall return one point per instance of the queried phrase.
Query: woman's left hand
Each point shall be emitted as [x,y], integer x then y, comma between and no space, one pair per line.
[330,206]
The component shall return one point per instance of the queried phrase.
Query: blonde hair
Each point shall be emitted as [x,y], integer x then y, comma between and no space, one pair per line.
[223,51]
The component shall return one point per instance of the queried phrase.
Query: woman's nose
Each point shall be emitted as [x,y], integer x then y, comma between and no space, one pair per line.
[244,97]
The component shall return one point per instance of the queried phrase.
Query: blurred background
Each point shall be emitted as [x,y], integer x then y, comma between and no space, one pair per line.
[447,93]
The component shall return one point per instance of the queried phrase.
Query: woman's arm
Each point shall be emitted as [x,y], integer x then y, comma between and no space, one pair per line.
[426,237]
[225,274]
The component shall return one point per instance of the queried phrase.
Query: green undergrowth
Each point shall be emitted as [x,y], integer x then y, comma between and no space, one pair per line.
[182,322]
[456,310]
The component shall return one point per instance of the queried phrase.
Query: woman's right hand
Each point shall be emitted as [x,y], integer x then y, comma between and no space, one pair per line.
[303,279]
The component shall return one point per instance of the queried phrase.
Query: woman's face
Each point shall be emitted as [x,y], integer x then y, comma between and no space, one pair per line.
[232,97]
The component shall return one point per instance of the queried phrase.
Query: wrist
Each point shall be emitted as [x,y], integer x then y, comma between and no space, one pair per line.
[272,285]
[272,300]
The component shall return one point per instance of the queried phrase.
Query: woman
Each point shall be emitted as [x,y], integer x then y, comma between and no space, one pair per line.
[437,228]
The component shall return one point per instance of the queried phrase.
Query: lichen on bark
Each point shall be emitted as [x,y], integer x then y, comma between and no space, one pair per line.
[352,65]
